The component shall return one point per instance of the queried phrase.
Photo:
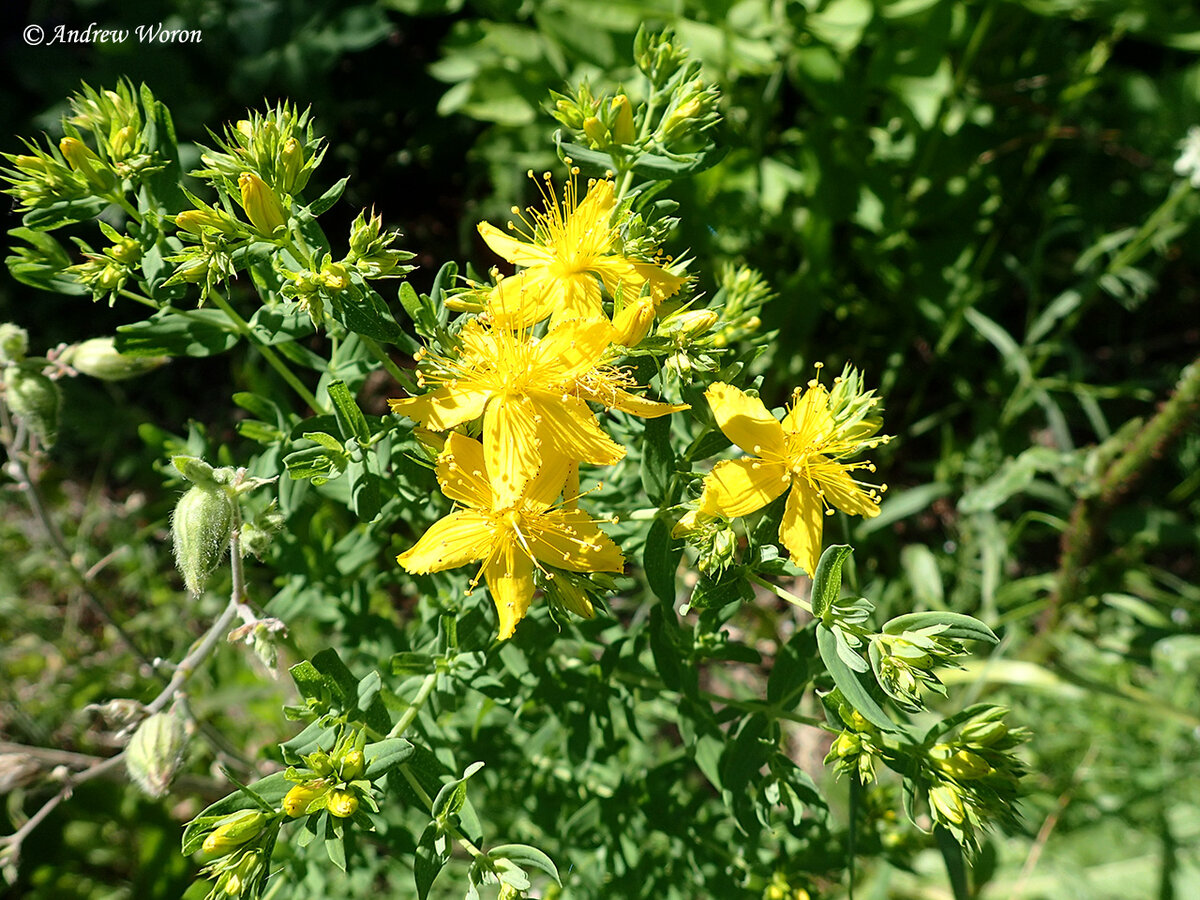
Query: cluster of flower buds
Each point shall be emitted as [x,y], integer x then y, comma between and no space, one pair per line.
[712,536]
[973,778]
[276,147]
[904,662]
[331,781]
[81,167]
[239,847]
[605,122]
[105,273]
[740,299]
[856,749]
[31,395]
[692,108]
[656,56]
[371,250]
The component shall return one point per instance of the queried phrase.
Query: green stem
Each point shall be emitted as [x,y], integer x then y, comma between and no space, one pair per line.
[129,208]
[404,378]
[781,593]
[414,707]
[424,797]
[268,354]
[145,301]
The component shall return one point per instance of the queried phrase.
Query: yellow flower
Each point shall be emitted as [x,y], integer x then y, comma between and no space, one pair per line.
[806,453]
[511,536]
[566,256]
[531,394]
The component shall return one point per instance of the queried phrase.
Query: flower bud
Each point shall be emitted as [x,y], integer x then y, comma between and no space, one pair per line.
[983,734]
[83,160]
[14,343]
[243,875]
[596,131]
[319,762]
[99,358]
[197,221]
[633,322]
[293,166]
[342,804]
[122,142]
[35,400]
[263,208]
[691,323]
[964,765]
[946,804]
[298,800]
[334,276]
[352,765]
[155,753]
[235,830]
[201,526]
[622,130]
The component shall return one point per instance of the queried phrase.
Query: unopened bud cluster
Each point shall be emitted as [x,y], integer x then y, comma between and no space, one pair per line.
[331,780]
[106,273]
[276,147]
[973,777]
[238,846]
[712,536]
[856,750]
[904,663]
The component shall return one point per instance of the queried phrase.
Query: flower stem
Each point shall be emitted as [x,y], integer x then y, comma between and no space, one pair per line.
[406,380]
[268,354]
[414,707]
[781,593]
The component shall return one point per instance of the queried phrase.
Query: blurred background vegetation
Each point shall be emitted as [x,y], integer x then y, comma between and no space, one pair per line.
[975,202]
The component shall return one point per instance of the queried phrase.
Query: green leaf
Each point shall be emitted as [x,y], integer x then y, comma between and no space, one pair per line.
[43,266]
[330,197]
[827,580]
[852,688]
[658,458]
[709,593]
[433,851]
[351,421]
[452,796]
[272,325]
[958,626]
[365,313]
[526,856]
[173,332]
[660,560]
[649,166]
[383,756]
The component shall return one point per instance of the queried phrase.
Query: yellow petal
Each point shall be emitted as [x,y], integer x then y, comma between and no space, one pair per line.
[553,478]
[662,283]
[462,472]
[450,542]
[509,577]
[737,487]
[640,406]
[510,446]
[578,297]
[517,252]
[809,418]
[800,530]
[565,425]
[524,299]
[568,539]
[745,420]
[443,407]
[570,351]
[840,489]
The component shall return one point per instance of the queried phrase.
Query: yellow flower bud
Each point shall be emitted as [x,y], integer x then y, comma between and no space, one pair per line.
[122,142]
[689,324]
[964,765]
[297,801]
[633,322]
[352,765]
[342,804]
[293,165]
[83,160]
[263,208]
[623,131]
[196,221]
[596,131]
[946,804]
[236,830]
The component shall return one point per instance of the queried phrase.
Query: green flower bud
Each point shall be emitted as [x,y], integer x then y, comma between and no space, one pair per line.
[342,804]
[122,142]
[352,765]
[201,526]
[233,831]
[35,400]
[983,734]
[263,208]
[84,160]
[963,765]
[320,763]
[14,343]
[689,324]
[99,358]
[293,166]
[155,753]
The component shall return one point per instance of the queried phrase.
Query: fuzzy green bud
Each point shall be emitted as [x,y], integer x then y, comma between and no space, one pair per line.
[155,752]
[201,526]
[233,831]
[35,400]
[342,804]
[99,358]
[14,343]
[263,208]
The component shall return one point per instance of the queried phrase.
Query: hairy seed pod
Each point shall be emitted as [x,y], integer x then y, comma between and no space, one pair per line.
[35,400]
[99,358]
[155,752]
[14,343]
[201,527]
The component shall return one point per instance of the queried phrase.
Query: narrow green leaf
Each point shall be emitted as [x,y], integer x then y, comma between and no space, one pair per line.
[660,561]
[351,421]
[658,458]
[855,692]
[433,850]
[383,756]
[524,855]
[827,580]
[959,627]
[171,332]
[330,197]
